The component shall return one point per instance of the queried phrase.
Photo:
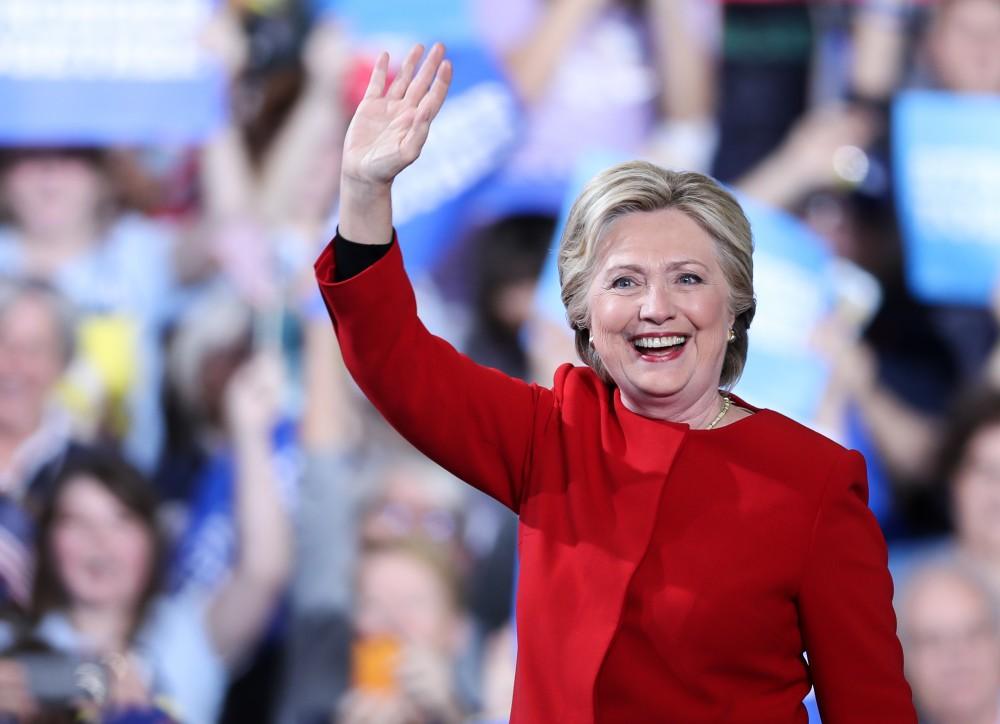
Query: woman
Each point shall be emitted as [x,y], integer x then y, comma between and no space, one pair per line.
[100,559]
[680,549]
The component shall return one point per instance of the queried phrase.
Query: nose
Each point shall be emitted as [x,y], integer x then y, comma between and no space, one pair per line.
[657,304]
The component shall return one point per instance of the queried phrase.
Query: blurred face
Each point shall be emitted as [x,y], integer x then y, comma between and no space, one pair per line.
[54,193]
[103,551]
[31,362]
[952,651]
[965,46]
[659,309]
[401,597]
[976,493]
[409,508]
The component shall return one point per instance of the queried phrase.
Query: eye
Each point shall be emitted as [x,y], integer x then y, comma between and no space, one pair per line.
[623,283]
[689,278]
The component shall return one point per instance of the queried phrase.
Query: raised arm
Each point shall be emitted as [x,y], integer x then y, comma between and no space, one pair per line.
[243,605]
[474,421]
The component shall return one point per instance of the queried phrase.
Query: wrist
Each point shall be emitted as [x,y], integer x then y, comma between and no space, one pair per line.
[365,214]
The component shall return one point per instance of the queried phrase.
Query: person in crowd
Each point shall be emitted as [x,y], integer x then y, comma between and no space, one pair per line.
[37,340]
[950,632]
[361,488]
[602,73]
[970,467]
[409,631]
[37,332]
[641,486]
[98,588]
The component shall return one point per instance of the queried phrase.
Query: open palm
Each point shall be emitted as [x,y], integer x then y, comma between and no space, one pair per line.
[391,125]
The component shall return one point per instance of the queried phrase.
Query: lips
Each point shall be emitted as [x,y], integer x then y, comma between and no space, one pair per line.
[659,347]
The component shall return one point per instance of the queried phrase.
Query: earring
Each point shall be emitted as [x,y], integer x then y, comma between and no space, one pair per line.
[591,340]
[732,335]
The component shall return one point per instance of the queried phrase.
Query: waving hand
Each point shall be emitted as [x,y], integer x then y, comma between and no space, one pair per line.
[385,136]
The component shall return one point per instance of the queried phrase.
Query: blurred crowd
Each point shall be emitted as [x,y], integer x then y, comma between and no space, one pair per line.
[195,499]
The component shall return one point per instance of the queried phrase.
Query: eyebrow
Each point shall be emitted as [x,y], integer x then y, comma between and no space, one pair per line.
[669,267]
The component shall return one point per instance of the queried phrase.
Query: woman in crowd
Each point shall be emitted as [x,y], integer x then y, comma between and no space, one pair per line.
[98,583]
[680,549]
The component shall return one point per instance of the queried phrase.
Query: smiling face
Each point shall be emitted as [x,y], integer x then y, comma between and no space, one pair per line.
[103,551]
[660,311]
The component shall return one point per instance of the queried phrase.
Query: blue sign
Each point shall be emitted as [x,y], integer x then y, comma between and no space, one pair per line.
[107,71]
[449,21]
[793,282]
[947,170]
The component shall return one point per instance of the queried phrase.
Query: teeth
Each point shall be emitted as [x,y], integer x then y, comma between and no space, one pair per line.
[656,342]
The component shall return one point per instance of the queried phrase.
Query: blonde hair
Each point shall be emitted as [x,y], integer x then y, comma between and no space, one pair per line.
[640,186]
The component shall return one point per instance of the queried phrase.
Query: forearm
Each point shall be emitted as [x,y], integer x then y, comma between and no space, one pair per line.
[314,123]
[880,44]
[366,212]
[906,438]
[532,65]
[227,179]
[775,181]
[244,603]
[683,59]
[330,420]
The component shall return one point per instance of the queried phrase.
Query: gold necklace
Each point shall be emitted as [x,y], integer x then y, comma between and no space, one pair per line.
[727,402]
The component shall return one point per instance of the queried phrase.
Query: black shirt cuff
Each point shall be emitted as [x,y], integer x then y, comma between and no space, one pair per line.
[351,258]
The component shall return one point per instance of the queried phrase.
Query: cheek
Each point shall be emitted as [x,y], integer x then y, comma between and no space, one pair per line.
[137,551]
[68,547]
[609,314]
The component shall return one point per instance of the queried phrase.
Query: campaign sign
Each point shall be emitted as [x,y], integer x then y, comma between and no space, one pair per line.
[107,71]
[793,282]
[947,169]
[795,292]
[449,21]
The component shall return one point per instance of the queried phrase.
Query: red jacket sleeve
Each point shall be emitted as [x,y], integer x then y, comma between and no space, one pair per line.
[845,608]
[472,420]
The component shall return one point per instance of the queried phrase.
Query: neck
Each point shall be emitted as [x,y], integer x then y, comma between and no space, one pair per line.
[698,412]
[105,627]
[46,249]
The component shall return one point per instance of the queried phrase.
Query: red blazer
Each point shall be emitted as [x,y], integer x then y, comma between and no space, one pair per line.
[775,553]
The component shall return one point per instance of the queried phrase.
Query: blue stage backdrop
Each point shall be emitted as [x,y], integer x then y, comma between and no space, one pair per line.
[107,71]
[947,170]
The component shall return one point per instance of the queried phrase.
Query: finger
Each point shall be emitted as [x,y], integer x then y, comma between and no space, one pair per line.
[376,84]
[431,103]
[422,81]
[399,85]
[426,111]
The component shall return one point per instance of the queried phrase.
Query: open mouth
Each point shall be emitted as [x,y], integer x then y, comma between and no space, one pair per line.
[662,347]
